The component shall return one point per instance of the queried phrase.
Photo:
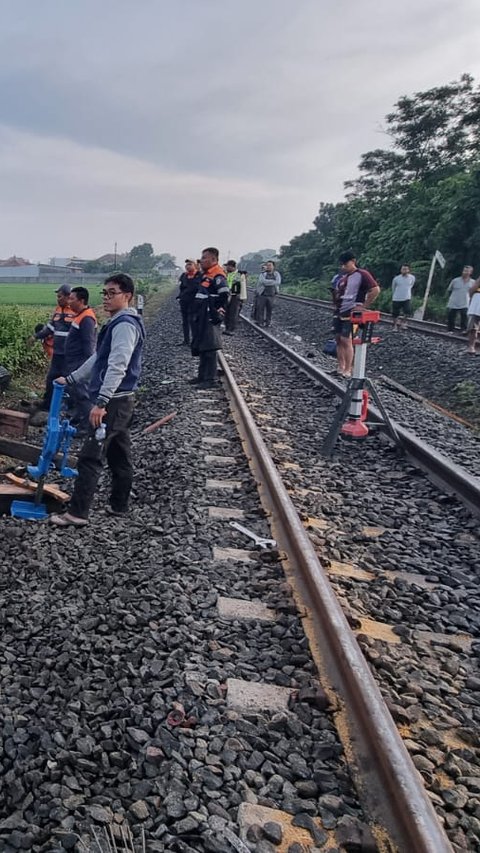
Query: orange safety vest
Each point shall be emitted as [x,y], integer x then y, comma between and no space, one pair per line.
[87,312]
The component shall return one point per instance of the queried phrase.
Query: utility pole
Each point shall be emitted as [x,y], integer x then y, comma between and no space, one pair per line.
[115,257]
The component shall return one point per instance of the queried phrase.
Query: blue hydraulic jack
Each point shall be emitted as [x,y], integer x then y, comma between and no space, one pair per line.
[56,444]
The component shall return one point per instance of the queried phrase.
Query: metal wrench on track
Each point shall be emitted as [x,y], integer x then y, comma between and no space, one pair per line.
[260,541]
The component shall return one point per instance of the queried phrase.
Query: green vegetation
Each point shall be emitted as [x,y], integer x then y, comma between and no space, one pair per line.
[40,294]
[33,305]
[410,200]
[16,326]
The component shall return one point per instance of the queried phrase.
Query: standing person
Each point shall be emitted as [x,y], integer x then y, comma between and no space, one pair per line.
[236,298]
[402,297]
[59,327]
[473,316]
[210,306]
[188,282]
[114,372]
[459,289]
[268,285]
[356,289]
[79,346]
[140,304]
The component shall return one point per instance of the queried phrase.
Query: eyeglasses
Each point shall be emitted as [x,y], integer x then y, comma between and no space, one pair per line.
[109,294]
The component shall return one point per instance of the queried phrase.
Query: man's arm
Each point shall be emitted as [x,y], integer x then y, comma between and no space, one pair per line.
[44,333]
[371,296]
[278,281]
[82,373]
[88,336]
[260,284]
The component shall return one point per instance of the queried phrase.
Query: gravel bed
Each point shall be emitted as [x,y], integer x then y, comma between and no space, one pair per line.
[420,362]
[431,683]
[105,629]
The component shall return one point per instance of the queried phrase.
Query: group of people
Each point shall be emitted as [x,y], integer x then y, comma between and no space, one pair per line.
[101,373]
[211,295]
[69,339]
[463,301]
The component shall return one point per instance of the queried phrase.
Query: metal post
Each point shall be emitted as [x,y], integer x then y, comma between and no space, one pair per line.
[420,312]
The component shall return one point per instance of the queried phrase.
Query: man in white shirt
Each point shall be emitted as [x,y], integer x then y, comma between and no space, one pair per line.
[458,302]
[473,316]
[402,297]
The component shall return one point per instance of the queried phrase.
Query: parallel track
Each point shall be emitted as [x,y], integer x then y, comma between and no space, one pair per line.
[442,471]
[426,326]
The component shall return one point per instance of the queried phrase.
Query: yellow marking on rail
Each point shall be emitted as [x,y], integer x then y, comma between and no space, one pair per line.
[316,523]
[464,641]
[377,630]
[347,570]
[250,814]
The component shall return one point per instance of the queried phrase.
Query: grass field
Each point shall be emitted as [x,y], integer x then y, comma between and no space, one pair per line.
[40,294]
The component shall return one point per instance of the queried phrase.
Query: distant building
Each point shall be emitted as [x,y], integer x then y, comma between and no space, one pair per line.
[15,262]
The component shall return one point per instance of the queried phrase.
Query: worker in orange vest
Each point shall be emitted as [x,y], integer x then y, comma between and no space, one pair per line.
[80,345]
[58,326]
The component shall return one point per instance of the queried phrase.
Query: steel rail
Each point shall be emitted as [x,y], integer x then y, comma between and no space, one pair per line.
[390,787]
[441,470]
[428,327]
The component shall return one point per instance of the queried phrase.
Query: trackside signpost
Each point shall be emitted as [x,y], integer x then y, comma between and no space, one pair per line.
[437,258]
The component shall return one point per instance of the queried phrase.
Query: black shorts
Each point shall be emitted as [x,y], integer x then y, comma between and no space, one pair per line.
[402,307]
[343,327]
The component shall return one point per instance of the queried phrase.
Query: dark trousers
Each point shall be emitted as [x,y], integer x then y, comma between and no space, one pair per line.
[452,316]
[56,369]
[264,309]
[207,367]
[116,450]
[233,310]
[186,309]
[80,404]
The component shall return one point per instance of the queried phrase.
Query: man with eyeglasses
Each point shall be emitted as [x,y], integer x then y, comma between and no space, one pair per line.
[113,373]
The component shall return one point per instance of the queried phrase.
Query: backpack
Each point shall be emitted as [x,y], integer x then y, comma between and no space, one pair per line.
[330,348]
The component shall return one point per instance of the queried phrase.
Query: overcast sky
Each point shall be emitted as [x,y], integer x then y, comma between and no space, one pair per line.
[193,122]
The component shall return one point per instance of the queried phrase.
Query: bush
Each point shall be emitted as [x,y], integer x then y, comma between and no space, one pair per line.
[16,326]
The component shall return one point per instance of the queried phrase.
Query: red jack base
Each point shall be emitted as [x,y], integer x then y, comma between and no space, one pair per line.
[355,429]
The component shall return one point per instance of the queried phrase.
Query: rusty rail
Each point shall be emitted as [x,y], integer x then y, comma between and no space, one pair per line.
[390,787]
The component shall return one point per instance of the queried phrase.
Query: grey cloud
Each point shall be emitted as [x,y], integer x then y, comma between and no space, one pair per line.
[288,92]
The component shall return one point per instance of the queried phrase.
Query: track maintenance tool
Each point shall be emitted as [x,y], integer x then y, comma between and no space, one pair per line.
[58,436]
[354,405]
[260,541]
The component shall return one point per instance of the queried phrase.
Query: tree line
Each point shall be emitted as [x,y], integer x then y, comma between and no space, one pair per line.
[419,195]
[140,259]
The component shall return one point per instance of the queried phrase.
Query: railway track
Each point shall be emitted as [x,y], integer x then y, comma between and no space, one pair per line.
[161,675]
[427,327]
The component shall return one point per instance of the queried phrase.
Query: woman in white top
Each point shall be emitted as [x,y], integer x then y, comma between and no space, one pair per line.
[473,316]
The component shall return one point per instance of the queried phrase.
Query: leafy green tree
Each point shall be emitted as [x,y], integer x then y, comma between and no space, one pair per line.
[165,260]
[433,134]
[140,258]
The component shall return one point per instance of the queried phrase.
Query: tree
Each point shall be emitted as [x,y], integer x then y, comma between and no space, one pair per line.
[140,258]
[165,260]
[419,196]
[433,134]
